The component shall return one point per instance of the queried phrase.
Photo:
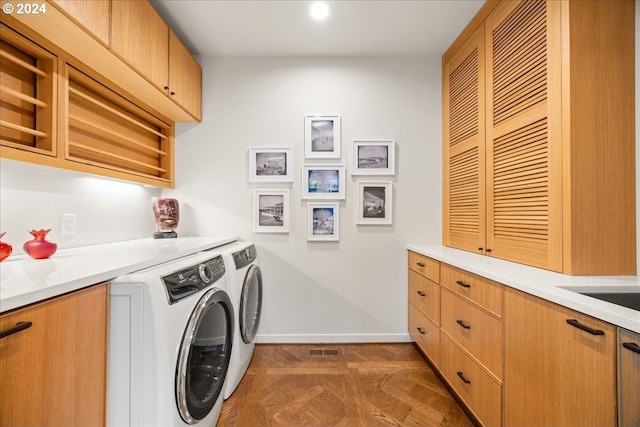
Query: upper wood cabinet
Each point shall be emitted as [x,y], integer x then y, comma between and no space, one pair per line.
[539,136]
[140,37]
[559,365]
[94,16]
[185,77]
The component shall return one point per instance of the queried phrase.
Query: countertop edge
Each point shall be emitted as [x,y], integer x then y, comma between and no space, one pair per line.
[541,283]
[75,282]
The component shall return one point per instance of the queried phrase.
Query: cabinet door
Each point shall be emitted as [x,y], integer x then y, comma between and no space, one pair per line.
[54,372]
[464,149]
[185,77]
[140,37]
[629,378]
[93,15]
[523,143]
[556,374]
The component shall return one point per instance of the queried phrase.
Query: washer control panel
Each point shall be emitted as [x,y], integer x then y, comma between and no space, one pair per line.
[245,256]
[187,281]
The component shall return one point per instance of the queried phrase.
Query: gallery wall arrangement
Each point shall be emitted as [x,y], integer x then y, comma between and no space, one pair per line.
[323,184]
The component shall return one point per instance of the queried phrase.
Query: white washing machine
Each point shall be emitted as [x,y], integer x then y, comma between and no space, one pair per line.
[170,339]
[245,290]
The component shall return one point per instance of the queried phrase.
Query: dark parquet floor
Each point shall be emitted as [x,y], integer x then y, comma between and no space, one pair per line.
[352,385]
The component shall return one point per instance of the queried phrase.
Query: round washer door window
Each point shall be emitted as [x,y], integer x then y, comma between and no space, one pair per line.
[251,304]
[204,356]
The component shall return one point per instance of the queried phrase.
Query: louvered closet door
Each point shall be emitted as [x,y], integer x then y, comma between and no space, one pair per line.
[463,156]
[524,179]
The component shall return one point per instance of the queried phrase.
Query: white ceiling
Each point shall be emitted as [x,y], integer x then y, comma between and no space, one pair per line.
[423,28]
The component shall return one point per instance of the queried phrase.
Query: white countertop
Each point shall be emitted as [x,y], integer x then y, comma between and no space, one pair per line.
[24,280]
[543,283]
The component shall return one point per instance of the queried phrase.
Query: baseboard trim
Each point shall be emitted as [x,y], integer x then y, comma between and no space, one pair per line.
[330,338]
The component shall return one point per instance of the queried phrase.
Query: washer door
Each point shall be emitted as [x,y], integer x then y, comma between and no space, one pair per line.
[251,304]
[204,356]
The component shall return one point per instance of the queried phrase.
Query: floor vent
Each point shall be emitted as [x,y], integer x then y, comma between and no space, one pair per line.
[316,352]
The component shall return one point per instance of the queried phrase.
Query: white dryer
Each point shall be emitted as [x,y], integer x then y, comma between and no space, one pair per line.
[245,290]
[170,340]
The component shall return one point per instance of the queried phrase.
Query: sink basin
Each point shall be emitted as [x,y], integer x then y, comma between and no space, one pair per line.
[626,296]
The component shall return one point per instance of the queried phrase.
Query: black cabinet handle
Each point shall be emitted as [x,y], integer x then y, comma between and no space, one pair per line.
[464,380]
[461,283]
[464,325]
[422,294]
[420,264]
[488,250]
[632,346]
[173,93]
[20,326]
[421,331]
[576,324]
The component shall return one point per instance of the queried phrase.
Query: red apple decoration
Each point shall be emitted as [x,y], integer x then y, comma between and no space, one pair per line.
[39,247]
[5,248]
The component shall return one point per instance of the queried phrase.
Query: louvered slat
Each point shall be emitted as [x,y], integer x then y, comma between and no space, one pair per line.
[464,215]
[520,39]
[520,184]
[463,111]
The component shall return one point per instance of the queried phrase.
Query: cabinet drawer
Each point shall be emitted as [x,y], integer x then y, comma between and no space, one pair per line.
[426,266]
[477,331]
[481,392]
[425,295]
[425,333]
[480,290]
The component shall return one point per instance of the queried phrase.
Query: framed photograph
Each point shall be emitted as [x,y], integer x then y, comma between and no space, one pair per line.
[271,211]
[322,137]
[270,164]
[374,157]
[323,223]
[375,202]
[323,182]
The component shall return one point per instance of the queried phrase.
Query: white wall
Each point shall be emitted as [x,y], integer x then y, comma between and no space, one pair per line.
[35,197]
[353,290]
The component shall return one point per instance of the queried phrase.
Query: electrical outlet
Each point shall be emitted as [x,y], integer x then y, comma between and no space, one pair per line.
[68,226]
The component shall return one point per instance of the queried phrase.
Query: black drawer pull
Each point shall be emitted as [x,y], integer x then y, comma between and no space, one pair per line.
[464,325]
[464,285]
[420,264]
[464,380]
[575,323]
[632,346]
[20,326]
[421,331]
[422,294]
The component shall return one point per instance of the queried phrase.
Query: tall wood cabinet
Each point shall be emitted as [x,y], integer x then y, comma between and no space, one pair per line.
[559,365]
[538,122]
[53,361]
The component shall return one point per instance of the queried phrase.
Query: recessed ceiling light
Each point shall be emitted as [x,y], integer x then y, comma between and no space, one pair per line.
[320,10]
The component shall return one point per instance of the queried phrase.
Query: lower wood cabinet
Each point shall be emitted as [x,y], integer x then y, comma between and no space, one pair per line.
[479,390]
[628,378]
[53,361]
[559,365]
[425,333]
[518,360]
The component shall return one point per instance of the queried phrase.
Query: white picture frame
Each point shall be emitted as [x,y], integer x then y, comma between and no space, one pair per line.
[323,182]
[270,164]
[374,157]
[375,203]
[271,210]
[322,136]
[323,222]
